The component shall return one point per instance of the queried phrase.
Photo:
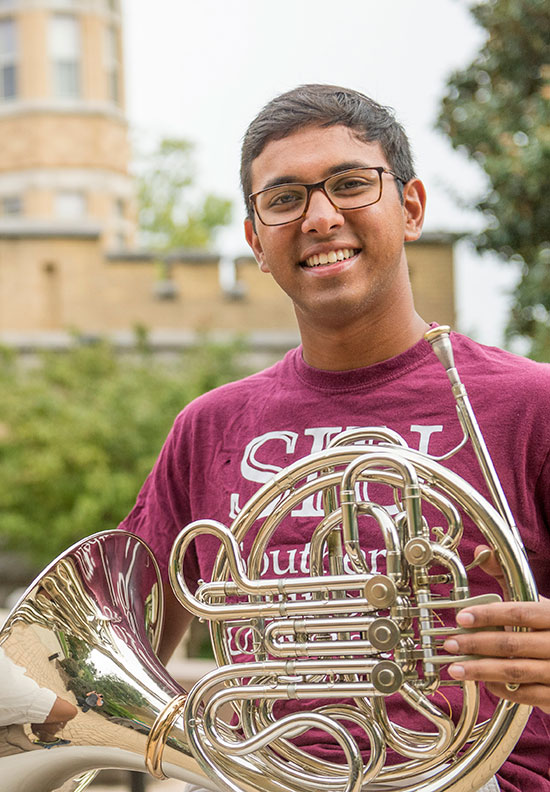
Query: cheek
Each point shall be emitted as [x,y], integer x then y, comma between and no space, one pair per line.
[276,253]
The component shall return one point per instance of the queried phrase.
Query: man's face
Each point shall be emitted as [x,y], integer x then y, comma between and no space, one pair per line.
[370,268]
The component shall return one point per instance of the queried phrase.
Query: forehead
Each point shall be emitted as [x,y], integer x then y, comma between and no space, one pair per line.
[311,154]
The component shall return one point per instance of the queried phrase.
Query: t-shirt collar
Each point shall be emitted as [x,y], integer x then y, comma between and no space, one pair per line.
[360,378]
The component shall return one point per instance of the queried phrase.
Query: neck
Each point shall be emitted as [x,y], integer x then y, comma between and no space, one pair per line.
[361,343]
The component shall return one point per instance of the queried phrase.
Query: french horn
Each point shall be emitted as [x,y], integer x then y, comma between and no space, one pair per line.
[347,642]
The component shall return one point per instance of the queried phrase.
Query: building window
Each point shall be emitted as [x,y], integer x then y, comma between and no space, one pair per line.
[70,205]
[112,64]
[119,214]
[65,47]
[8,52]
[12,205]
[120,208]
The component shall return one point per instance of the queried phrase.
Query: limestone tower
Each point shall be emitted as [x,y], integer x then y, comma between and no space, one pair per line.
[64,148]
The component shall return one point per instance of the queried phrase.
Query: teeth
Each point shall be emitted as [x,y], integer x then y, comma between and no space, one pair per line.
[329,258]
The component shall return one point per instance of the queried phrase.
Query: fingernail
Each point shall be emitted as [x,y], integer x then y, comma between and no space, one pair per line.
[450,645]
[456,671]
[465,618]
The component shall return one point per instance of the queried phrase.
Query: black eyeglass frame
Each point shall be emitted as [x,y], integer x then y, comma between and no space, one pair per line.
[320,185]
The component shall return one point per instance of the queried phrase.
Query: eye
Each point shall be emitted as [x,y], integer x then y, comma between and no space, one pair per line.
[352,184]
[283,198]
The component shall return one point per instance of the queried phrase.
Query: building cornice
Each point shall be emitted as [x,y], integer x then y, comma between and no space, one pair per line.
[93,178]
[26,228]
[439,238]
[96,7]
[187,256]
[159,340]
[74,107]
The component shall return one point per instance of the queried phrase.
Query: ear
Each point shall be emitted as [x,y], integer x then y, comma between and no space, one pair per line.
[254,242]
[414,206]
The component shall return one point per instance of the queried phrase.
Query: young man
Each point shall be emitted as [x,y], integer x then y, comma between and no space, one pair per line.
[332,197]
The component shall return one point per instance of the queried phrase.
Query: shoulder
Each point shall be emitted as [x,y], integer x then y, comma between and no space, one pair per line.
[488,364]
[509,393]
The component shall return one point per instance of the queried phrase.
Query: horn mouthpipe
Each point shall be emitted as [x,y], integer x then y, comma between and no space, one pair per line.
[440,340]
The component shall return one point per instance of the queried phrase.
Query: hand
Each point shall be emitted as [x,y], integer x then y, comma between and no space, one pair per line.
[61,712]
[47,731]
[509,659]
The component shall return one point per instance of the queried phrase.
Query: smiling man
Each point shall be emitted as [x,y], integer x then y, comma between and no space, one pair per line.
[332,197]
[340,257]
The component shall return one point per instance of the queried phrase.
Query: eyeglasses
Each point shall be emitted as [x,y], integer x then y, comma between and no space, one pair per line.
[349,189]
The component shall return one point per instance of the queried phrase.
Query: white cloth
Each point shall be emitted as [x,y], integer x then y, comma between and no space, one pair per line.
[22,700]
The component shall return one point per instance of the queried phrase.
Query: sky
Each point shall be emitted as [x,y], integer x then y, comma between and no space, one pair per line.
[202,70]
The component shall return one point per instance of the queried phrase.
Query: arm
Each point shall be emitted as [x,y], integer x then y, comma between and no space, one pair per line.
[514,665]
[176,623]
[61,712]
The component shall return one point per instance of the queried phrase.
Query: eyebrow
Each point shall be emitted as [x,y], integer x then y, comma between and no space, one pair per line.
[292,179]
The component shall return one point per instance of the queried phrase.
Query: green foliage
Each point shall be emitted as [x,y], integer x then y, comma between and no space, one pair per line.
[80,432]
[170,215]
[498,111]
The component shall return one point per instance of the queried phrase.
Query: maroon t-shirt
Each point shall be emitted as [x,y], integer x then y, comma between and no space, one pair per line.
[229,442]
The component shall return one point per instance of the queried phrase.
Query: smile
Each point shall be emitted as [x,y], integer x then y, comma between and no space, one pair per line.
[322,259]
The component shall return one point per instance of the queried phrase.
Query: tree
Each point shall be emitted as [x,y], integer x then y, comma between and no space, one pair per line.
[80,432]
[170,214]
[498,111]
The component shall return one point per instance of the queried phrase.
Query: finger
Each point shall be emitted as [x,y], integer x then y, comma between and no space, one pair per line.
[532,615]
[519,672]
[501,644]
[534,695]
[491,566]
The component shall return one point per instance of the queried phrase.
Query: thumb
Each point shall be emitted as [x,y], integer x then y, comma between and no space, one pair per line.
[486,558]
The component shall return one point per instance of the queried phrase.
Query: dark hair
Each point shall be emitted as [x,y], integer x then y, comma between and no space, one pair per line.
[326,105]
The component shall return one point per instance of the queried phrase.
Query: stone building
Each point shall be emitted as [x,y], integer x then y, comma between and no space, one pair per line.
[64,149]
[68,255]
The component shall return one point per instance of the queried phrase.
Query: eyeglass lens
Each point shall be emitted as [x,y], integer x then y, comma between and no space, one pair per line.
[350,190]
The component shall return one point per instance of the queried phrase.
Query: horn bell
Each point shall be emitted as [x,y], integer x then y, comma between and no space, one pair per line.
[87,629]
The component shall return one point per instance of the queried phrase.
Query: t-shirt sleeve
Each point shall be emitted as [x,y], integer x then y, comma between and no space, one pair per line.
[162,507]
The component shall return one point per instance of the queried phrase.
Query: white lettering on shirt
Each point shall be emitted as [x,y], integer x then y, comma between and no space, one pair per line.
[234,507]
[290,568]
[252,469]
[425,433]
[322,435]
[255,466]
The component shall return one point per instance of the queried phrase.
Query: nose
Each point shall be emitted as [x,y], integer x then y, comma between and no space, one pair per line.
[321,215]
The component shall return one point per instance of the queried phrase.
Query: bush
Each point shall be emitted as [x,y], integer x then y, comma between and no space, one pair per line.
[80,432]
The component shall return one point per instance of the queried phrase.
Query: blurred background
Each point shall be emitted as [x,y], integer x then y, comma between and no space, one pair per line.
[126,288]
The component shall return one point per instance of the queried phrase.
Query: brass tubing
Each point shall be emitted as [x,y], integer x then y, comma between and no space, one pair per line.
[158,735]
[439,338]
